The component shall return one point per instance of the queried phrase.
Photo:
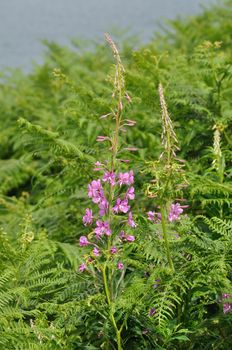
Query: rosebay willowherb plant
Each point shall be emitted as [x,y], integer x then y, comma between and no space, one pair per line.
[182,296]
[169,178]
[111,220]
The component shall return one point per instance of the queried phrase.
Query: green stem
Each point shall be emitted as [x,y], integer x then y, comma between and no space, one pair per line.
[115,145]
[164,229]
[186,306]
[106,285]
[179,307]
[117,331]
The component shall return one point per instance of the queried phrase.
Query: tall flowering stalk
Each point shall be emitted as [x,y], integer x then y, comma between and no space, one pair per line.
[168,178]
[112,193]
[218,161]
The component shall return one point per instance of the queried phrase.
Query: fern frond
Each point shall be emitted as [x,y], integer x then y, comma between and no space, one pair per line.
[51,140]
[217,225]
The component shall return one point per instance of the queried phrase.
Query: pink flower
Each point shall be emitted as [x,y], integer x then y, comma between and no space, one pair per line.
[128,97]
[102,228]
[130,194]
[157,283]
[130,238]
[153,216]
[83,241]
[113,250]
[225,296]
[98,166]
[105,116]
[82,267]
[175,212]
[126,178]
[122,234]
[131,149]
[109,177]
[121,206]
[102,138]
[96,251]
[227,307]
[95,191]
[124,160]
[103,206]
[88,217]
[120,266]
[152,311]
[130,220]
[130,122]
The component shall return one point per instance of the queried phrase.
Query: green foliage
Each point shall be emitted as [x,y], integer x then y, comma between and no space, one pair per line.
[50,122]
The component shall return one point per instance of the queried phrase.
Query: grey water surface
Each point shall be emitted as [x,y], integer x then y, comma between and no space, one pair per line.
[23,23]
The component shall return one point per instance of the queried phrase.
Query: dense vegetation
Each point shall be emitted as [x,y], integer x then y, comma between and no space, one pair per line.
[157,121]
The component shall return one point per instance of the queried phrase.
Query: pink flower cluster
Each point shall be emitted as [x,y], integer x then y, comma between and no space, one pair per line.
[88,217]
[121,206]
[227,307]
[153,216]
[174,213]
[95,191]
[109,177]
[126,178]
[128,238]
[102,228]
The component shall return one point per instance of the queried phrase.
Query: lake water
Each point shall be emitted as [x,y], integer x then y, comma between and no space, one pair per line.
[23,23]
